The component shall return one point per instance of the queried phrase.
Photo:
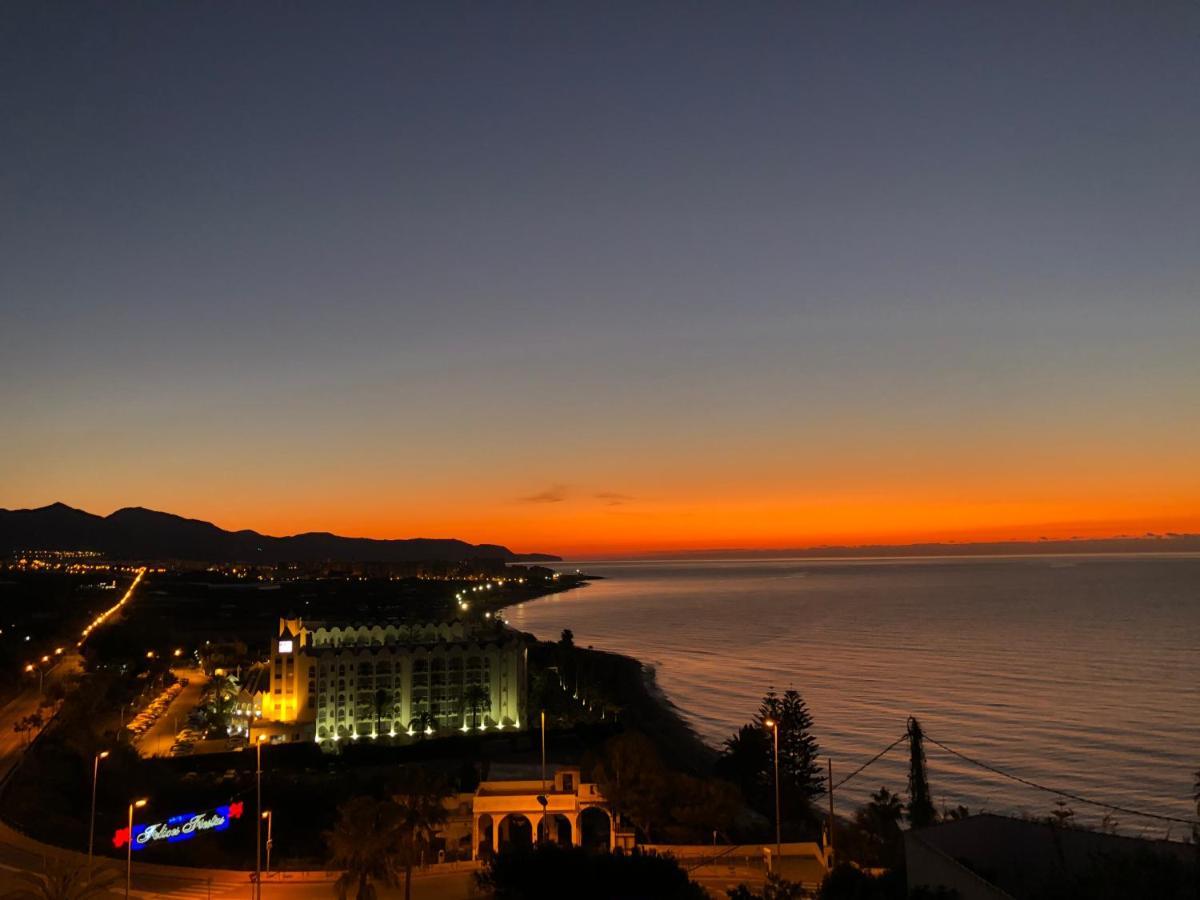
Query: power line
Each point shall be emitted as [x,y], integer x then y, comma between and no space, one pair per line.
[874,758]
[1050,790]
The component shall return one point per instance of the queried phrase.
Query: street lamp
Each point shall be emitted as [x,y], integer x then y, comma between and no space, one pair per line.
[136,804]
[774,726]
[30,667]
[258,825]
[267,815]
[542,798]
[103,754]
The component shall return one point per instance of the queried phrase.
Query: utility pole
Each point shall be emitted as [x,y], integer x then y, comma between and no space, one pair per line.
[829,855]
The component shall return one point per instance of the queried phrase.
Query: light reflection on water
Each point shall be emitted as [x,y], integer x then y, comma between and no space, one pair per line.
[1082,673]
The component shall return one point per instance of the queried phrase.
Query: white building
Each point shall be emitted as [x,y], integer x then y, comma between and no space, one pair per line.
[349,682]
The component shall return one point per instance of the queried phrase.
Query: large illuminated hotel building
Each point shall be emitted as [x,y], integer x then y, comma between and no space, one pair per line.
[333,683]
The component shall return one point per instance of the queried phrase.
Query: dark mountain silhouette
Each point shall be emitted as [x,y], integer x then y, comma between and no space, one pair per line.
[137,533]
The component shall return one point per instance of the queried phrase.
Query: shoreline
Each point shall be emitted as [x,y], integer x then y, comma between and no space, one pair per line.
[647,708]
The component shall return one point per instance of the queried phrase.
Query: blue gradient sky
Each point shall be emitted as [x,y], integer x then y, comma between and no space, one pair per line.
[605,277]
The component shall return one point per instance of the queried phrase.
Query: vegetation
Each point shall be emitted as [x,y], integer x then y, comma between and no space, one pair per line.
[847,882]
[366,843]
[881,842]
[66,881]
[660,803]
[418,794]
[921,811]
[550,872]
[748,761]
[775,888]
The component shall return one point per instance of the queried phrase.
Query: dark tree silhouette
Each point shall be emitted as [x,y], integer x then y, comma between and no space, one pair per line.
[799,771]
[550,872]
[880,823]
[366,844]
[921,811]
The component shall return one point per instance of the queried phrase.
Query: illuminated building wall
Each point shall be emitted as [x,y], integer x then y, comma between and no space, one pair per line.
[355,681]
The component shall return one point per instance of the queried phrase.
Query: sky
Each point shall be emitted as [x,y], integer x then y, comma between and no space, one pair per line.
[598,279]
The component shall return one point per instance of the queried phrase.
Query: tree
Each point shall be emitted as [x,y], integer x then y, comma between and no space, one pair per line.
[746,762]
[799,771]
[366,843]
[64,882]
[421,723]
[633,779]
[550,872]
[28,724]
[704,805]
[921,811]
[418,795]
[880,822]
[477,697]
[775,888]
[567,638]
[382,700]
[1196,797]
[748,758]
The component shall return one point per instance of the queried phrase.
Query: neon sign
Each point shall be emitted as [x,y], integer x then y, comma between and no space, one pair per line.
[178,828]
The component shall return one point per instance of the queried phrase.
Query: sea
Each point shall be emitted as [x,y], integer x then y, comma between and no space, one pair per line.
[1080,674]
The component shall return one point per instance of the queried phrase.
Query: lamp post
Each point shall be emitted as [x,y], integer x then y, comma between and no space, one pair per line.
[103,754]
[258,819]
[136,804]
[30,667]
[542,798]
[267,815]
[774,726]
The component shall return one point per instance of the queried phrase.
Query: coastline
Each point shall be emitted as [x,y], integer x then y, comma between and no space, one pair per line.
[646,708]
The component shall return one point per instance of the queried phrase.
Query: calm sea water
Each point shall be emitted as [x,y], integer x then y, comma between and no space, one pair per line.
[1079,672]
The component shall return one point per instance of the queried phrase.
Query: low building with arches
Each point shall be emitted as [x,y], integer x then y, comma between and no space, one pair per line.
[349,682]
[506,813]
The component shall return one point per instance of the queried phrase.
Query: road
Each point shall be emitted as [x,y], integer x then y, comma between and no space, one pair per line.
[24,704]
[155,882]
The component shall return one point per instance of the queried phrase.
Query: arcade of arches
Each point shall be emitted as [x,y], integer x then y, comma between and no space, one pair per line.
[510,813]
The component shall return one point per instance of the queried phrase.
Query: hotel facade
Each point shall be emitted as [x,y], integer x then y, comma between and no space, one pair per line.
[332,683]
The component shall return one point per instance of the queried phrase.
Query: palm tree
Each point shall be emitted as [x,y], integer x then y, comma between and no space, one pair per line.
[419,795]
[382,699]
[64,882]
[365,843]
[880,821]
[477,697]
[420,723]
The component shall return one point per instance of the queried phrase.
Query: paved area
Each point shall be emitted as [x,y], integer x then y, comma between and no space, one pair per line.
[158,739]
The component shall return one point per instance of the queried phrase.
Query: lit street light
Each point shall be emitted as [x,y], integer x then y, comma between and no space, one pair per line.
[136,804]
[774,726]
[30,667]
[103,754]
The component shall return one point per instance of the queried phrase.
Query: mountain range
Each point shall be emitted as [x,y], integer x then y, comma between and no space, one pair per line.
[137,533]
